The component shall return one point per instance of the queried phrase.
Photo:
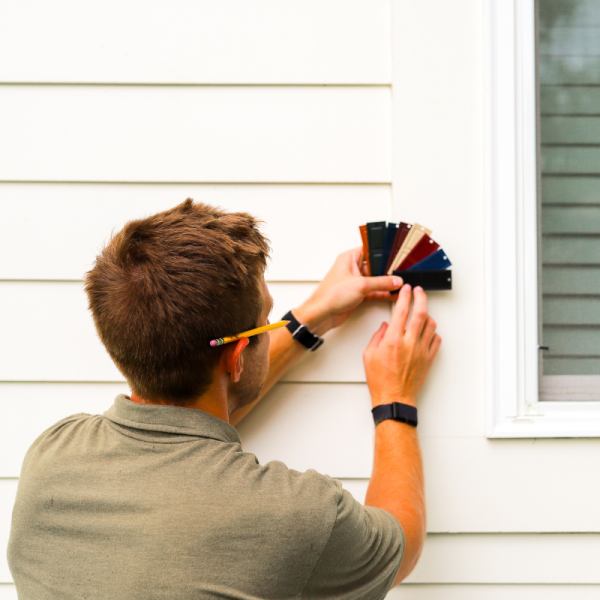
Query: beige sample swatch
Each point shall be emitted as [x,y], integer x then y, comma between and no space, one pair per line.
[412,239]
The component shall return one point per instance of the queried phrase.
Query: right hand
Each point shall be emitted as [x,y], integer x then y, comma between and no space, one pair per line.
[397,359]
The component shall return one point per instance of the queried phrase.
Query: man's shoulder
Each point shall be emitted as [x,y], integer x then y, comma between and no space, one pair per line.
[71,420]
[58,429]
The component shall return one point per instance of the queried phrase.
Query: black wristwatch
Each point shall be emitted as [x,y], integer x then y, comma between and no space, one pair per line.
[300,333]
[405,413]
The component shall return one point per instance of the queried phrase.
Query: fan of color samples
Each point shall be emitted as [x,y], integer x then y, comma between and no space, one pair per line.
[407,251]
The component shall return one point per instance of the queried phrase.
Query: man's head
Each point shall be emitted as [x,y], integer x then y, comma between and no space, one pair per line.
[165,286]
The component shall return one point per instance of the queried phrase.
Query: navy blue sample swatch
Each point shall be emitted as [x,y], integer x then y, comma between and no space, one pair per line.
[390,234]
[434,262]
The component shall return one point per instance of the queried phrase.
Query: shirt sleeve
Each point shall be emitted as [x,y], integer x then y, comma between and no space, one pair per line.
[362,556]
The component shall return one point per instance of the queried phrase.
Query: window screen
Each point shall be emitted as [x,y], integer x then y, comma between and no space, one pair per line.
[568,53]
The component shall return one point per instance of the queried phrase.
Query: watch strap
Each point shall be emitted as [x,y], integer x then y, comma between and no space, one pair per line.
[301,333]
[397,411]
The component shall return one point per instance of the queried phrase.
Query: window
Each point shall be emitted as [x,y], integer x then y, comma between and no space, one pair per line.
[569,137]
[543,218]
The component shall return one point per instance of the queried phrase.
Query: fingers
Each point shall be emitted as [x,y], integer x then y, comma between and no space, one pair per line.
[400,312]
[377,337]
[357,260]
[384,283]
[419,314]
[380,296]
[356,255]
[435,345]
[428,331]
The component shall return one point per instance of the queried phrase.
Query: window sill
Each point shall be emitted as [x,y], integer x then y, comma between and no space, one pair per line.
[552,420]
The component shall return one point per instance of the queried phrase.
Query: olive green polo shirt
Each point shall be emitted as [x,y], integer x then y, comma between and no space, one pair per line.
[151,501]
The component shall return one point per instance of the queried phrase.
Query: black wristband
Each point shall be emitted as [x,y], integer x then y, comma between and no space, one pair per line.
[301,333]
[405,413]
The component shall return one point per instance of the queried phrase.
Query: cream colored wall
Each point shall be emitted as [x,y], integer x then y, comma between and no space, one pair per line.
[316,116]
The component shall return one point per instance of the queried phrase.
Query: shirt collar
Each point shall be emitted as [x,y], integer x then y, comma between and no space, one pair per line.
[170,419]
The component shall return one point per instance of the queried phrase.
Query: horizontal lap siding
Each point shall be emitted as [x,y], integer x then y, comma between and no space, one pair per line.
[509,558]
[195,134]
[77,161]
[64,217]
[196,41]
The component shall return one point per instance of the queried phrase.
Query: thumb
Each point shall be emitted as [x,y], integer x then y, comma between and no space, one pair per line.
[382,283]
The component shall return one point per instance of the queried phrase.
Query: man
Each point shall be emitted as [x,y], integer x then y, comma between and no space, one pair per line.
[156,498]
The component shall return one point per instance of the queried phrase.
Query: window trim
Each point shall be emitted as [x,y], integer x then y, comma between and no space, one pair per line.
[512,388]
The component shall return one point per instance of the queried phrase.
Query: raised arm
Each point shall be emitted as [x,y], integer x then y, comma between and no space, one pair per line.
[338,295]
[397,362]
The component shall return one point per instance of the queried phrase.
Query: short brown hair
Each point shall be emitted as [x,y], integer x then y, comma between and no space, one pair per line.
[165,285]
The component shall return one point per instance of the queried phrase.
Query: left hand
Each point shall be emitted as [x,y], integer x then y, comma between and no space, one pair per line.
[342,291]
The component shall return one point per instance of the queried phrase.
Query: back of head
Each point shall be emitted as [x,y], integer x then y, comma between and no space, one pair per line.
[165,285]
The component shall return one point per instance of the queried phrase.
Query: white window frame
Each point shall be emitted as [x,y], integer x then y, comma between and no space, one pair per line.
[512,355]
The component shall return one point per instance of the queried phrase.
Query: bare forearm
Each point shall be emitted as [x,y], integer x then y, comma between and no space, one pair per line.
[337,296]
[397,362]
[397,485]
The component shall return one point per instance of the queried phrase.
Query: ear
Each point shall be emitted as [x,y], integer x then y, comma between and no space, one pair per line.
[234,362]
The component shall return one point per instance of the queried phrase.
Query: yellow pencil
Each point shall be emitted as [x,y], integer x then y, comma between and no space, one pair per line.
[269,327]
